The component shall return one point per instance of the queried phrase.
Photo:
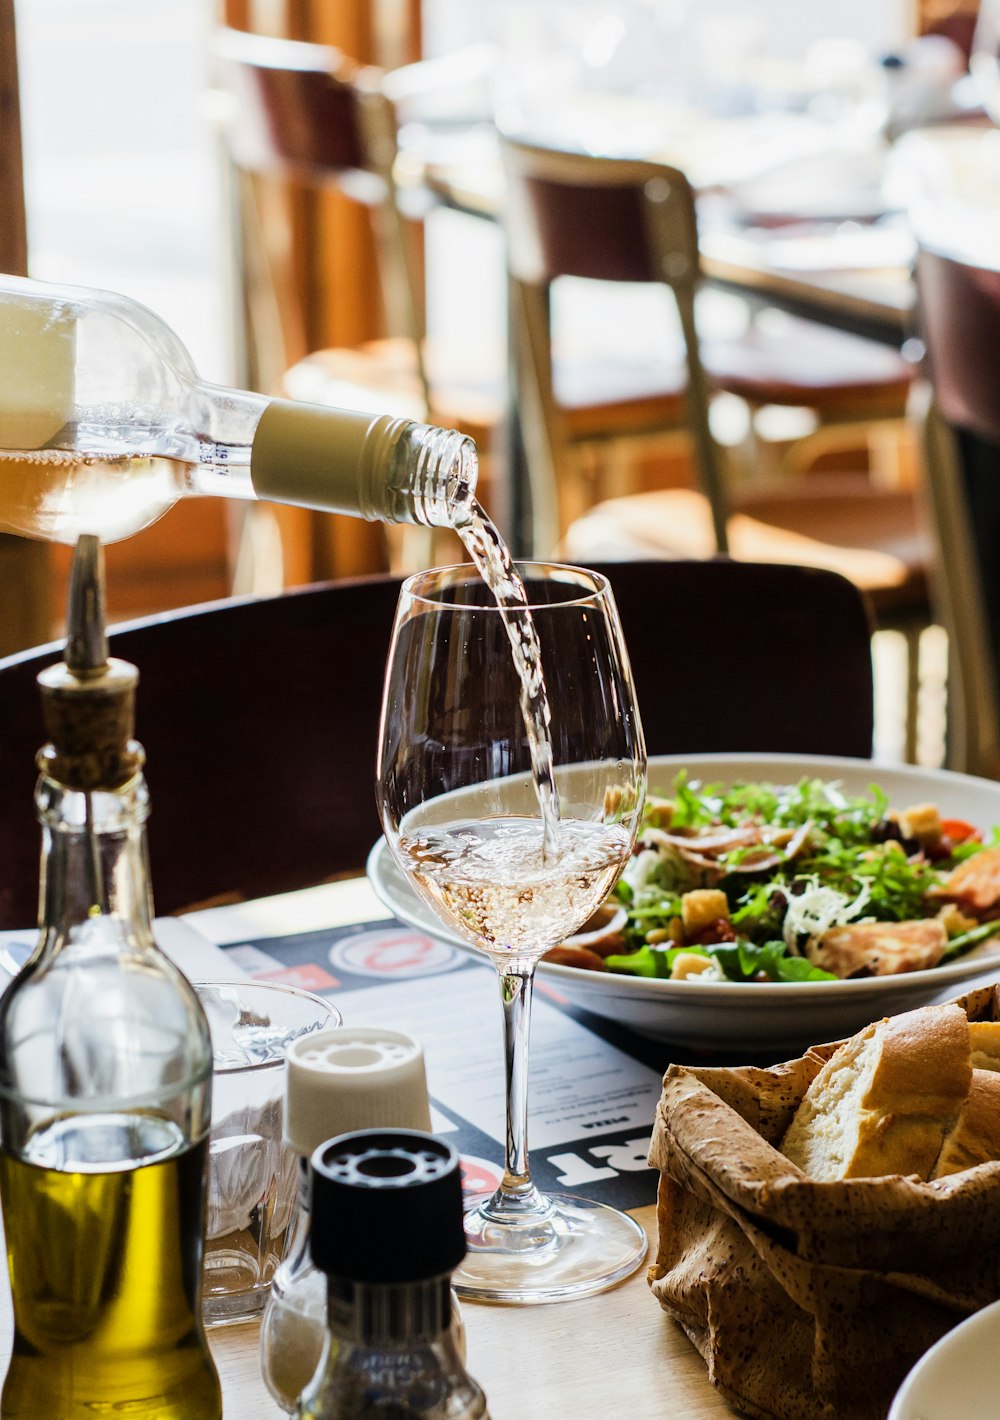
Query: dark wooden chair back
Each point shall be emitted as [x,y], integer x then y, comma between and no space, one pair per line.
[260,717]
[573,214]
[960,319]
[606,219]
[297,110]
[959,315]
[747,656]
[294,110]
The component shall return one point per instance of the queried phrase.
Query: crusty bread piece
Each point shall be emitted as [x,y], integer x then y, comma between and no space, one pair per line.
[975,1137]
[984,1043]
[884,1101]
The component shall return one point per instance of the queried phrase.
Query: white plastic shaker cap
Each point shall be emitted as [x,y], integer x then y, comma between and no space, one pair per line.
[353,1077]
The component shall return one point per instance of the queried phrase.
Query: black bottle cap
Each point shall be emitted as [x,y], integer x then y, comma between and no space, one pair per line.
[386,1206]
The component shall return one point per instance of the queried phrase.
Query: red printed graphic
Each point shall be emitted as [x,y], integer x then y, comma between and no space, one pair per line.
[307,977]
[479,1176]
[393,951]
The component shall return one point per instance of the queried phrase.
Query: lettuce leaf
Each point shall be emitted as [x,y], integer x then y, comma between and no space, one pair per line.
[737,961]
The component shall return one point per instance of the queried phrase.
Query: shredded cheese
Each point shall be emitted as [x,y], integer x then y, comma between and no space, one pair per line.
[642,867]
[817,909]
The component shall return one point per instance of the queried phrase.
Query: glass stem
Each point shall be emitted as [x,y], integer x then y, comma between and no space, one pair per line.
[517,1196]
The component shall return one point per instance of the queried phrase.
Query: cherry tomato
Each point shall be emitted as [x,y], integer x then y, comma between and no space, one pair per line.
[959,831]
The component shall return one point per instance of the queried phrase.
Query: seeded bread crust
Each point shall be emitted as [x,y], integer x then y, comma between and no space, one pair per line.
[884,1102]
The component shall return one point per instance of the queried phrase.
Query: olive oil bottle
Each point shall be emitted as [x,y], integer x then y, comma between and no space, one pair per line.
[105,1082]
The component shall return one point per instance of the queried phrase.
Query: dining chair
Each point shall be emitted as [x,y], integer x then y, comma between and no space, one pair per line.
[573,214]
[617,220]
[260,716]
[958,301]
[26,602]
[304,111]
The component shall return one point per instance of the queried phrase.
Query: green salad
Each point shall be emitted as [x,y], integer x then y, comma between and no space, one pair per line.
[757,882]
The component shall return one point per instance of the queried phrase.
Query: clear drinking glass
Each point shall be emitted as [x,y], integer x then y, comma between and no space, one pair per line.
[460,788]
[253,1174]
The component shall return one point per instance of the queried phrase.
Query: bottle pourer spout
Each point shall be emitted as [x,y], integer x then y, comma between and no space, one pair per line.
[86,651]
[88,698]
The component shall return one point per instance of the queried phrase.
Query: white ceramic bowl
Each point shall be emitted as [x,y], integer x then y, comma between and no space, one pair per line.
[761,1016]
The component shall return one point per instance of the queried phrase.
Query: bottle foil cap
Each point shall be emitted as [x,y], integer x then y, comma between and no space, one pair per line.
[350,1078]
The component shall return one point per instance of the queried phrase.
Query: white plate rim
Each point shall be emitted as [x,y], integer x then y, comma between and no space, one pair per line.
[970,1339]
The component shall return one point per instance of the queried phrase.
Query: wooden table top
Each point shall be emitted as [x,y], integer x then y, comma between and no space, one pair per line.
[615,1353]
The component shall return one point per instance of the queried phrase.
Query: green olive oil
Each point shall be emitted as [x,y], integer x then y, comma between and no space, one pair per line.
[104,1269]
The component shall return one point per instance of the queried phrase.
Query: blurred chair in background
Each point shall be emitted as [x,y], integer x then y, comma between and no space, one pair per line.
[303,110]
[621,220]
[25,592]
[611,219]
[959,311]
[246,804]
[852,391]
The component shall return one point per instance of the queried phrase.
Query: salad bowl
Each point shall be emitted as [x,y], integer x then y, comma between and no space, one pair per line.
[756,1017]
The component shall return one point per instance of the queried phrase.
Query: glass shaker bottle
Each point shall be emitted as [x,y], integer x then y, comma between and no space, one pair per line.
[388,1232]
[335,1081]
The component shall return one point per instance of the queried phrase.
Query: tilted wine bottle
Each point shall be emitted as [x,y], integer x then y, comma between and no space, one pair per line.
[105,424]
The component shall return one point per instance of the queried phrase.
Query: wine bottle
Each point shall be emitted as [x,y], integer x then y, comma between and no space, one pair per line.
[105,424]
[105,1082]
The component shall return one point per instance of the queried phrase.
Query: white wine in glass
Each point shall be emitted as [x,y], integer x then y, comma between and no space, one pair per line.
[511,780]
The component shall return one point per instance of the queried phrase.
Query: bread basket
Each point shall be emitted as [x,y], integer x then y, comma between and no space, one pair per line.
[808,1300]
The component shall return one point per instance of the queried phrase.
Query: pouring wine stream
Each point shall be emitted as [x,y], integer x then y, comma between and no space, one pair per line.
[491,556]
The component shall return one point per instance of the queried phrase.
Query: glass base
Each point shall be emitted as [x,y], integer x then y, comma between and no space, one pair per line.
[231,1288]
[572,1248]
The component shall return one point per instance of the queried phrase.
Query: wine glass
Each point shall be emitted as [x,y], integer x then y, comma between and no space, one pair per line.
[512,803]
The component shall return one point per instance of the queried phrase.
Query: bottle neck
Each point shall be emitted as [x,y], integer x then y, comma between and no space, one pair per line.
[95,886]
[389,1315]
[373,466]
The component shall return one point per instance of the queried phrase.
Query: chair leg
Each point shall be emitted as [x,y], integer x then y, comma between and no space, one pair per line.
[912,638]
[26,618]
[259,564]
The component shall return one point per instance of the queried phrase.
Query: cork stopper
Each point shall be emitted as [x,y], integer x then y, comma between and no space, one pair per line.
[88,699]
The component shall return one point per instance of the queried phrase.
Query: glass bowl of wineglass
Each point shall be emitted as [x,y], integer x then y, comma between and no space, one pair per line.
[511,777]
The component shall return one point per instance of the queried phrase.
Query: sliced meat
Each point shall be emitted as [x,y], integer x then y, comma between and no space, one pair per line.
[879,948]
[574,956]
[975,885]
